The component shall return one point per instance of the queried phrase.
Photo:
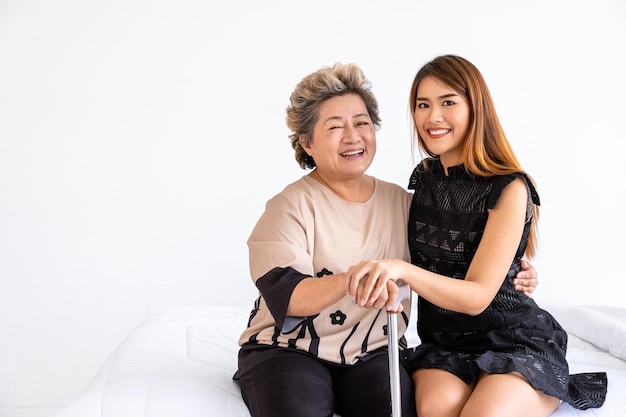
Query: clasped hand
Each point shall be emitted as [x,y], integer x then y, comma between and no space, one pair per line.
[372,284]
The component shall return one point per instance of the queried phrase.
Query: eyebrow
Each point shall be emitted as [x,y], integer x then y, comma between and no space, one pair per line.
[356,116]
[440,97]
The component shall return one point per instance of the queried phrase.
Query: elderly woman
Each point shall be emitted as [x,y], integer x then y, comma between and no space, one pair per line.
[308,349]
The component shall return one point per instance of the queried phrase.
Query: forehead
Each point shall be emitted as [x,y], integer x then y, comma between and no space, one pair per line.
[431,86]
[344,105]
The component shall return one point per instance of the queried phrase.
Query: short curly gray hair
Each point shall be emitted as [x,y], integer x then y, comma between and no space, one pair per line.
[316,88]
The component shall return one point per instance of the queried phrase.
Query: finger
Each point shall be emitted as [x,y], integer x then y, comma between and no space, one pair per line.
[370,282]
[524,264]
[377,303]
[525,285]
[350,286]
[525,290]
[529,282]
[392,295]
[376,281]
[350,281]
[354,276]
[359,292]
[381,301]
[378,287]
[387,296]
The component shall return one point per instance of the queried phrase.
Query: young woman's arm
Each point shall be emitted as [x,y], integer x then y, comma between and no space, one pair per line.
[484,277]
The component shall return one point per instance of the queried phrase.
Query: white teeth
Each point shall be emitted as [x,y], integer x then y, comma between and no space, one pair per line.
[439,132]
[352,153]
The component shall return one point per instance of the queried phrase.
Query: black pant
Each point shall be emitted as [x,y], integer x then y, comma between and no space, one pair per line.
[297,385]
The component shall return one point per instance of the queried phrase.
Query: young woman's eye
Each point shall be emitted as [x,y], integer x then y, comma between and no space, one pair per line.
[448,103]
[422,105]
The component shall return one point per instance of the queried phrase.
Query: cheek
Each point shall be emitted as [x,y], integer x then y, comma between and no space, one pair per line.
[418,119]
[463,122]
[419,123]
[463,117]
[371,147]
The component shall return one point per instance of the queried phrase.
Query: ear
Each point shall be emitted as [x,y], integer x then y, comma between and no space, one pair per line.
[304,143]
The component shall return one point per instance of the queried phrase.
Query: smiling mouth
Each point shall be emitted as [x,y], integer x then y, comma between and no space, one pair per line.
[438,132]
[352,153]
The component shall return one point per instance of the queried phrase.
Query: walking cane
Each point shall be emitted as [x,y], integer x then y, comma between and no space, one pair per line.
[394,362]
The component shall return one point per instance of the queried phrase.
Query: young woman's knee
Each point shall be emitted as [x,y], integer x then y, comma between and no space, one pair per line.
[439,393]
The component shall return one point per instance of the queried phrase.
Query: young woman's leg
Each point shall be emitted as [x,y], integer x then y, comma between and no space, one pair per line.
[363,390]
[439,393]
[510,395]
[292,385]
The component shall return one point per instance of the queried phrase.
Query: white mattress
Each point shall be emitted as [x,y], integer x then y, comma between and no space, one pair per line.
[180,363]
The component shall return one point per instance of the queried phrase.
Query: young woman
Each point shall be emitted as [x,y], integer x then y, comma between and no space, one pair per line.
[487,350]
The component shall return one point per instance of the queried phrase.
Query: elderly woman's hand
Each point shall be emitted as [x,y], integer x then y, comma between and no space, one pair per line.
[387,298]
[527,279]
[367,282]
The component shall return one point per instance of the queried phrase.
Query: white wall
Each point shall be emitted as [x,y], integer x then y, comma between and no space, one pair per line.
[139,141]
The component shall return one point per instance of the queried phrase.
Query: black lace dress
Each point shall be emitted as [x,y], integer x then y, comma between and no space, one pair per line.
[447,218]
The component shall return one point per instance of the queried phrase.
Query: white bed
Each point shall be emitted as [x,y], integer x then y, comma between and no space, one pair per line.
[180,363]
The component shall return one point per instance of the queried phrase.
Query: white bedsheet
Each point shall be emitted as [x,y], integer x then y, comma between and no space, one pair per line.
[180,363]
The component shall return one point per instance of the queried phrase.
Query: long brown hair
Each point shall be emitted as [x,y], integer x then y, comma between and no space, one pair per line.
[486,150]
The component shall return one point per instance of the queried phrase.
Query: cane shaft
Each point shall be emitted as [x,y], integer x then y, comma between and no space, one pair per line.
[394,363]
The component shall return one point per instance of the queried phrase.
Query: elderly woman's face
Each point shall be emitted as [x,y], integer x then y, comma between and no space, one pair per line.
[344,140]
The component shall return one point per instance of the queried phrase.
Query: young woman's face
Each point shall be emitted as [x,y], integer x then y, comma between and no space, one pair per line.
[343,144]
[442,120]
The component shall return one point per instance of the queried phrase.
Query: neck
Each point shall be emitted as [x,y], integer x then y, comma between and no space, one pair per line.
[357,190]
[450,161]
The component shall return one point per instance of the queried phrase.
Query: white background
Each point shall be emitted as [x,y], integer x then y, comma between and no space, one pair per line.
[139,141]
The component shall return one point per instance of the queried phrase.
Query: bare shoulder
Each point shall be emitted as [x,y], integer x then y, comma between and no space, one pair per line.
[514,195]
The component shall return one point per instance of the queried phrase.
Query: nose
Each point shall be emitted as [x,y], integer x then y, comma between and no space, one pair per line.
[350,134]
[434,115]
